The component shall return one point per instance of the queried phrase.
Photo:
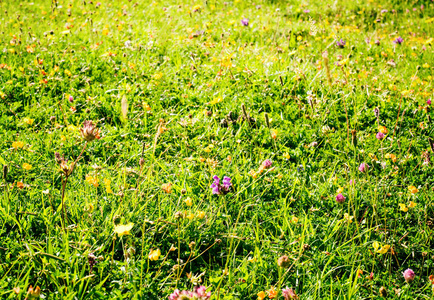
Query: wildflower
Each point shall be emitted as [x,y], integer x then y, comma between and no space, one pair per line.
[428,101]
[398,40]
[413,189]
[403,207]
[383,249]
[382,129]
[340,198]
[217,188]
[348,218]
[28,121]
[188,201]
[283,261]
[17,144]
[245,22]
[409,275]
[20,185]
[27,166]
[267,163]
[63,164]
[380,135]
[198,293]
[383,292]
[33,293]
[363,167]
[286,155]
[272,293]
[261,295]
[294,219]
[89,131]
[201,214]
[123,229]
[154,254]
[92,180]
[341,43]
[196,8]
[167,187]
[377,42]
[16,290]
[274,133]
[289,293]
[107,183]
[412,204]
[70,98]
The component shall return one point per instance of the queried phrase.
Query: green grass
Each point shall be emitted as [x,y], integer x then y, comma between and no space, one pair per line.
[165,83]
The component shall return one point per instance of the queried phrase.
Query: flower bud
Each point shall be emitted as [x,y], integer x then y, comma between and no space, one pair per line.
[89,131]
[283,261]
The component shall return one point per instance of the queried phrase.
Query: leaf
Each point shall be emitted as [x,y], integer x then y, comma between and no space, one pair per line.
[2,161]
[124,107]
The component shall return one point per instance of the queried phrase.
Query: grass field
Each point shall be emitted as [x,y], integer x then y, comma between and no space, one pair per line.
[216,150]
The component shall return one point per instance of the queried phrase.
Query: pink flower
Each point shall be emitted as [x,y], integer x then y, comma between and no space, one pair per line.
[340,198]
[363,167]
[71,99]
[267,163]
[352,181]
[428,101]
[409,275]
[380,136]
[289,294]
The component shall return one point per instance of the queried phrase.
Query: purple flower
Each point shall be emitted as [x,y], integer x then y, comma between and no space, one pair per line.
[245,22]
[340,198]
[363,167]
[306,11]
[398,40]
[340,43]
[267,163]
[217,188]
[380,136]
[71,99]
[409,275]
[384,11]
[428,101]
[377,42]
[367,40]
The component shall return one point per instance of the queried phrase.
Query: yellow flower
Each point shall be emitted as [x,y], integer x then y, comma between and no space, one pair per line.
[272,293]
[28,121]
[383,249]
[286,155]
[68,73]
[123,229]
[92,180]
[201,214]
[383,129]
[27,167]
[425,65]
[261,295]
[146,106]
[188,201]
[17,145]
[107,183]
[412,204]
[294,219]
[340,190]
[157,76]
[274,133]
[167,187]
[216,100]
[376,245]
[63,138]
[403,207]
[348,218]
[154,254]
[413,189]
[190,216]
[253,174]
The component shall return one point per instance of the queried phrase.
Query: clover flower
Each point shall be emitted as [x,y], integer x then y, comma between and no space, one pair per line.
[363,167]
[341,43]
[89,131]
[289,293]
[428,101]
[198,293]
[218,188]
[380,135]
[409,275]
[340,198]
[398,40]
[245,22]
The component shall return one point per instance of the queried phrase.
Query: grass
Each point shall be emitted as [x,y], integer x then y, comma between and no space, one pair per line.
[184,91]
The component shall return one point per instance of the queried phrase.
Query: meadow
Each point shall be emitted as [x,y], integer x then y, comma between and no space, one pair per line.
[215,149]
